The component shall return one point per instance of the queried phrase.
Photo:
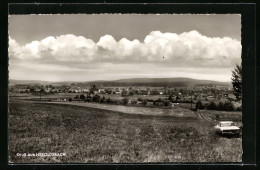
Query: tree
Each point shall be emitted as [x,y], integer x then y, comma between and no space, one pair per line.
[131,93]
[237,81]
[199,105]
[229,106]
[170,98]
[125,101]
[195,96]
[96,98]
[178,98]
[212,106]
[166,102]
[144,102]
[32,90]
[93,89]
[82,97]
[220,106]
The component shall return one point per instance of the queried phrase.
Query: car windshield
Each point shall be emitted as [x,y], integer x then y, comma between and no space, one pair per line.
[226,124]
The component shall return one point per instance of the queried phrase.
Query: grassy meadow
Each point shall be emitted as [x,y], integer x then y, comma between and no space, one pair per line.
[91,135]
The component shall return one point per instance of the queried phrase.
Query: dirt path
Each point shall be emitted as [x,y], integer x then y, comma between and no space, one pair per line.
[136,110]
[201,116]
[177,112]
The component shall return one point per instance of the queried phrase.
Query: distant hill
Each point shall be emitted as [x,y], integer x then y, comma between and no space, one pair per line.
[149,82]
[157,82]
[36,82]
[25,82]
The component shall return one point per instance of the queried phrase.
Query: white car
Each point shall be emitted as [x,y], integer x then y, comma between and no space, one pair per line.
[227,128]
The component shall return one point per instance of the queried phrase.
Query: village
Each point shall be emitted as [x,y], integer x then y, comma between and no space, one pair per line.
[213,97]
[209,91]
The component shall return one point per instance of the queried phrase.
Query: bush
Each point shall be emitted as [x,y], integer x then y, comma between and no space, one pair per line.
[82,96]
[88,99]
[144,102]
[125,101]
[171,98]
[131,93]
[187,101]
[199,105]
[139,99]
[70,99]
[212,106]
[102,100]
[220,106]
[96,98]
[229,106]
[150,100]
[166,103]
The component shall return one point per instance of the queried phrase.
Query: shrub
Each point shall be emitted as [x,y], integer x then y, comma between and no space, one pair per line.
[220,106]
[217,117]
[166,103]
[199,105]
[125,101]
[139,99]
[150,100]
[102,100]
[70,99]
[82,96]
[170,98]
[144,102]
[229,106]
[96,98]
[212,106]
[187,101]
[131,93]
[134,102]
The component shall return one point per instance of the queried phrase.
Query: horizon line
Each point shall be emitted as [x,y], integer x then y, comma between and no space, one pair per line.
[60,81]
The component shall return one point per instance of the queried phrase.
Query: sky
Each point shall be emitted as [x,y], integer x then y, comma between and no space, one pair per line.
[79,47]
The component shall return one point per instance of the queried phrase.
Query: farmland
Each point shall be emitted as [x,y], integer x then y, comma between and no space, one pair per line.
[92,135]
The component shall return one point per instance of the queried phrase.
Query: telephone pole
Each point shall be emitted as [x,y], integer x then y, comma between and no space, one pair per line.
[191,99]
[40,96]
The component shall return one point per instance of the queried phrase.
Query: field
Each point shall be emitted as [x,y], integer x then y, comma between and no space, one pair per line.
[92,135]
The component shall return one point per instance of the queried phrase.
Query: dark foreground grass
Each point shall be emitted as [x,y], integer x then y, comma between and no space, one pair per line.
[89,135]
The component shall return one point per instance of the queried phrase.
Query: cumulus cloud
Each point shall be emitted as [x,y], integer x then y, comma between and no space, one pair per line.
[186,49]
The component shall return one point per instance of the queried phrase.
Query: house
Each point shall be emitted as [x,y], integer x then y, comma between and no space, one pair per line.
[48,90]
[124,93]
[85,90]
[154,92]
[102,91]
[144,92]
[109,91]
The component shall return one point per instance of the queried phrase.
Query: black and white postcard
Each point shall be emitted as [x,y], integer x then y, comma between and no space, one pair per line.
[125,88]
